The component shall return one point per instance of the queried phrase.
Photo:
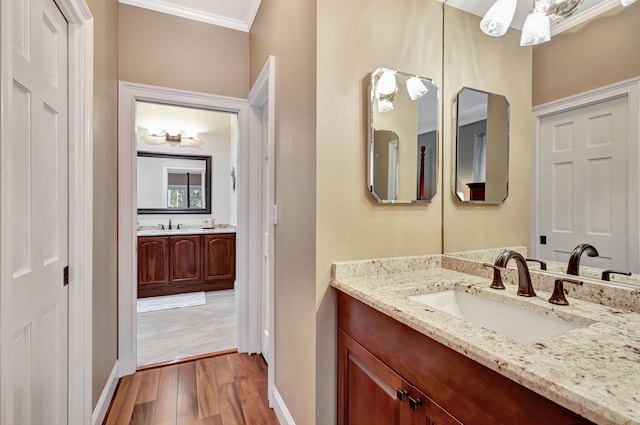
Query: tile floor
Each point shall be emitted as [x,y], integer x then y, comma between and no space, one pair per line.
[170,335]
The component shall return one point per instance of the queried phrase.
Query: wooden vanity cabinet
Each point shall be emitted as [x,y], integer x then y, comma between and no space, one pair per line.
[376,354]
[185,263]
[153,261]
[375,394]
[185,254]
[219,257]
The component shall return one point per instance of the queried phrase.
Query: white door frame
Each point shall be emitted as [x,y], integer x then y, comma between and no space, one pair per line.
[629,89]
[80,34]
[247,233]
[262,95]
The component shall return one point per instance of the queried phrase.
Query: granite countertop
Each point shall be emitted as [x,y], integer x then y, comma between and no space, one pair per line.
[187,231]
[593,371]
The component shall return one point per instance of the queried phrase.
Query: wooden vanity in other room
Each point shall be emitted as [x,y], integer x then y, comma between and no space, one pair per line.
[177,263]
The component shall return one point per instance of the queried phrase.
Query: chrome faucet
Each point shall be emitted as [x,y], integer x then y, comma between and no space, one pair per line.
[574,260]
[525,288]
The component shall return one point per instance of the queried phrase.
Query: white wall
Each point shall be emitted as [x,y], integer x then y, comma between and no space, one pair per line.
[218,132]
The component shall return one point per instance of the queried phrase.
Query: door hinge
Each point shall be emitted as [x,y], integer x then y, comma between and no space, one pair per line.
[65,276]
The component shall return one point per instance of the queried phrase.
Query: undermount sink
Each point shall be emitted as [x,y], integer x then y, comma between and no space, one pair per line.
[515,322]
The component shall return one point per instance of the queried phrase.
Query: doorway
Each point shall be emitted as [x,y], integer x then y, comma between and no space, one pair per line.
[586,177]
[186,232]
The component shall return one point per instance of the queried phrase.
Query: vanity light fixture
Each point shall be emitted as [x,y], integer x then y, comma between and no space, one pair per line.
[536,29]
[498,18]
[416,88]
[179,139]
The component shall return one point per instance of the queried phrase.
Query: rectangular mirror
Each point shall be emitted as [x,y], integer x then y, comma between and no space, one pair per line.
[169,184]
[482,147]
[403,137]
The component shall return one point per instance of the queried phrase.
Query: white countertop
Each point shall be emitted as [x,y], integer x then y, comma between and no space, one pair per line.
[187,231]
[593,371]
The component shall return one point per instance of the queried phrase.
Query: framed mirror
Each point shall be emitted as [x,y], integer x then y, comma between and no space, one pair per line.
[482,147]
[403,137]
[170,184]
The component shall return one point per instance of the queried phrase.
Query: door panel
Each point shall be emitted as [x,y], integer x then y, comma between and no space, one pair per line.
[186,266]
[584,193]
[34,217]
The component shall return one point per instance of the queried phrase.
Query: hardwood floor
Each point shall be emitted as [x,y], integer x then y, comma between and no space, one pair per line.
[222,390]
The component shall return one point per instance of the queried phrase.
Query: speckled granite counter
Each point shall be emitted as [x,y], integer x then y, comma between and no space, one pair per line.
[593,371]
[186,231]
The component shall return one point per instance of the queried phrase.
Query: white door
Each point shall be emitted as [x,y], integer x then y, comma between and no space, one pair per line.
[583,194]
[34,325]
[267,226]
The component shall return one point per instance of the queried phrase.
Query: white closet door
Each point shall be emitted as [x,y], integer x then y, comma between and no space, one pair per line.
[34,220]
[584,183]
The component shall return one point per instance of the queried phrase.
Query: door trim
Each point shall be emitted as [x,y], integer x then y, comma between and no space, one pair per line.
[129,93]
[262,95]
[629,89]
[80,117]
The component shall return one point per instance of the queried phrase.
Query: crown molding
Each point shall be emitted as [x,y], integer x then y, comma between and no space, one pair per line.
[584,16]
[194,14]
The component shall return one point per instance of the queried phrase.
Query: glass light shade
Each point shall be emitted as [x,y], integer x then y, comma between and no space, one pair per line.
[416,88]
[536,29]
[498,18]
[386,84]
[627,2]
[385,105]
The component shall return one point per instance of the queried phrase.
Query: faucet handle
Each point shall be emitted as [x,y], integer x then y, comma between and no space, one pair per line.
[558,291]
[606,275]
[543,264]
[497,278]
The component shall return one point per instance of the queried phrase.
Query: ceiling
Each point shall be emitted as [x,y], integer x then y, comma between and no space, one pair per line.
[239,14]
[234,14]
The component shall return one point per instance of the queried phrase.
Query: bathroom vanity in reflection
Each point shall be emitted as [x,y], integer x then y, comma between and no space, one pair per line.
[177,263]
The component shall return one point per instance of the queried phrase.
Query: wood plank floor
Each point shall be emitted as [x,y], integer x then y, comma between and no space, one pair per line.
[222,390]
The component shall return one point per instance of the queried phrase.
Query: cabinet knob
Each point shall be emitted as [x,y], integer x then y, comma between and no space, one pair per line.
[401,394]
[415,403]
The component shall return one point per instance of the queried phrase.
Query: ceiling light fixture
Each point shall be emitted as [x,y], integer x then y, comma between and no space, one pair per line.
[498,18]
[626,3]
[536,29]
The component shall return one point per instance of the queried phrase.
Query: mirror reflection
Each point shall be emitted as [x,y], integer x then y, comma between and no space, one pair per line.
[591,194]
[403,135]
[173,183]
[482,147]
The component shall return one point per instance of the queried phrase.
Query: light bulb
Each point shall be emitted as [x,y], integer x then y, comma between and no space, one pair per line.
[536,29]
[386,84]
[416,88]
[627,2]
[498,18]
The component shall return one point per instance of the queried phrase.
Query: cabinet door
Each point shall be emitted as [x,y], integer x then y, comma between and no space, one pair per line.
[153,261]
[219,257]
[424,411]
[368,390]
[185,259]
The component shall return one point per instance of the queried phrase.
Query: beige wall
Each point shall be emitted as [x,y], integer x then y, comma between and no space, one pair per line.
[354,38]
[288,30]
[498,65]
[168,51]
[105,199]
[600,52]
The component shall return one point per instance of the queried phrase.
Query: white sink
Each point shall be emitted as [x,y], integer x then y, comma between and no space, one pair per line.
[515,322]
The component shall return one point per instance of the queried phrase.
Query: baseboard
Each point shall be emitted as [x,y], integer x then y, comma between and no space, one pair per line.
[97,418]
[282,413]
